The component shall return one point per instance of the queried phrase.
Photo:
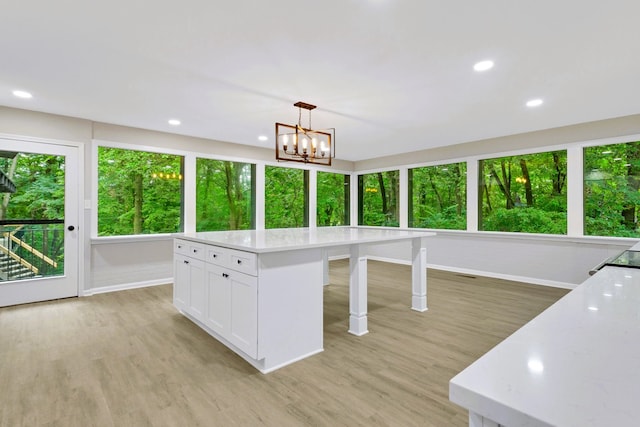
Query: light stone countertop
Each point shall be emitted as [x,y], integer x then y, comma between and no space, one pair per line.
[576,364]
[285,239]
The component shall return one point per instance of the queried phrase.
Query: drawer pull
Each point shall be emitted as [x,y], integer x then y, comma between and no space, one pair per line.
[195,251]
[186,262]
[215,255]
[179,246]
[225,275]
[239,261]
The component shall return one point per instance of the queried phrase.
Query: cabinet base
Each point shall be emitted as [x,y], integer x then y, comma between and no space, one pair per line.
[262,365]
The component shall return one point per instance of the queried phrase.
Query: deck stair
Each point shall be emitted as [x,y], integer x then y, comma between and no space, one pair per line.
[12,269]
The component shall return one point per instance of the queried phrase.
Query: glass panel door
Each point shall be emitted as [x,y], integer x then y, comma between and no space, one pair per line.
[38,222]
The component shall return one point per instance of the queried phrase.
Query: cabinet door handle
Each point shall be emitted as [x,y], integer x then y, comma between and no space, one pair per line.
[179,246]
[186,262]
[239,261]
[215,255]
[195,251]
[225,275]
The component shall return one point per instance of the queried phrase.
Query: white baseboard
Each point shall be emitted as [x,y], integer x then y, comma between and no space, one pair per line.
[467,271]
[125,286]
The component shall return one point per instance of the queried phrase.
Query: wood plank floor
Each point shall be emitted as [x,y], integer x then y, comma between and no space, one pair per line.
[130,359]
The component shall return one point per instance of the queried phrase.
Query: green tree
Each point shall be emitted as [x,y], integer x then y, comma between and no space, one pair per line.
[138,192]
[332,199]
[378,199]
[286,197]
[525,193]
[224,195]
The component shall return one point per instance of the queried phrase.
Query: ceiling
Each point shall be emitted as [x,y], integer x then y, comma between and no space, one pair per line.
[391,76]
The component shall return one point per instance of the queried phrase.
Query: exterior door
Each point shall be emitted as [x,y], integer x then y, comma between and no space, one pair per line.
[39,208]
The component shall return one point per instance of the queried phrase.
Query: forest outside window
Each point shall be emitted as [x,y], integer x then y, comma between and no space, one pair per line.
[378,199]
[286,194]
[139,192]
[526,193]
[225,195]
[333,199]
[612,190]
[437,197]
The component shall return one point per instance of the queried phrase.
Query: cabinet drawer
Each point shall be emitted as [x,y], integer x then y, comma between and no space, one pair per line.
[244,262]
[190,249]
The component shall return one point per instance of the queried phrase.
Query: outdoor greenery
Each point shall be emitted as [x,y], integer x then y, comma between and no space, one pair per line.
[285,195]
[524,193]
[224,195]
[378,198]
[438,197]
[138,192]
[612,190]
[333,199]
[40,193]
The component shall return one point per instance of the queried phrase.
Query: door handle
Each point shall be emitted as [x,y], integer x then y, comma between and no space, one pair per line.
[225,275]
[71,228]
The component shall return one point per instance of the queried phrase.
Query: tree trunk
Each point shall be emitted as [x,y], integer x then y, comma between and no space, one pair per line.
[560,176]
[458,196]
[434,188]
[229,181]
[504,187]
[7,196]
[527,182]
[137,204]
[383,192]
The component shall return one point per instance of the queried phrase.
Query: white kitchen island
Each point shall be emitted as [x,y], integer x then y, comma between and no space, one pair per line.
[260,291]
[576,364]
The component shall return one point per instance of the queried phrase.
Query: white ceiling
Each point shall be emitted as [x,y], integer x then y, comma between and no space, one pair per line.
[390,75]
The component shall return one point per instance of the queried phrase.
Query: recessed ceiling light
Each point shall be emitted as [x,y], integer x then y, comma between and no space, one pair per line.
[174,122]
[263,138]
[483,65]
[22,94]
[534,102]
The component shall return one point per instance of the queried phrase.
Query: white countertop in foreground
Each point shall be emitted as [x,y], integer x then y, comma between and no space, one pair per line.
[576,364]
[285,239]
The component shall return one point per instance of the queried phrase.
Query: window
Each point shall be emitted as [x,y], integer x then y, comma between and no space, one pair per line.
[333,199]
[378,198]
[286,197]
[225,196]
[524,193]
[437,197]
[612,190]
[138,192]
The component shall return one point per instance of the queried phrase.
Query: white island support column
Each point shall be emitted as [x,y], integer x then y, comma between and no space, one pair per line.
[357,291]
[418,274]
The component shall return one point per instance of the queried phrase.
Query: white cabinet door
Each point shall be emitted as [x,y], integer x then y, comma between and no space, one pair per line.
[244,312]
[218,300]
[232,307]
[197,301]
[181,282]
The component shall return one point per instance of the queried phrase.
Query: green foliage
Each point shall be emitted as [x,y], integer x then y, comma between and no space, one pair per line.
[40,195]
[138,192]
[525,220]
[612,190]
[438,197]
[331,199]
[223,195]
[284,197]
[524,193]
[378,204]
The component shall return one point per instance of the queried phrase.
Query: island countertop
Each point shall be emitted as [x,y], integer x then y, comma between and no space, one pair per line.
[285,239]
[576,364]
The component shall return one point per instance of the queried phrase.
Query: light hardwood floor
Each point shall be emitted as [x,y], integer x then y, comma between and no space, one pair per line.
[130,359]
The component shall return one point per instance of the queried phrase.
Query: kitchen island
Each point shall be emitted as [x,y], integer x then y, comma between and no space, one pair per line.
[259,292]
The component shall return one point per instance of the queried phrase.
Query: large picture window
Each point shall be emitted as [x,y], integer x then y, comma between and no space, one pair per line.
[333,199]
[225,196]
[437,197]
[378,199]
[286,197]
[139,192]
[612,190]
[524,193]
